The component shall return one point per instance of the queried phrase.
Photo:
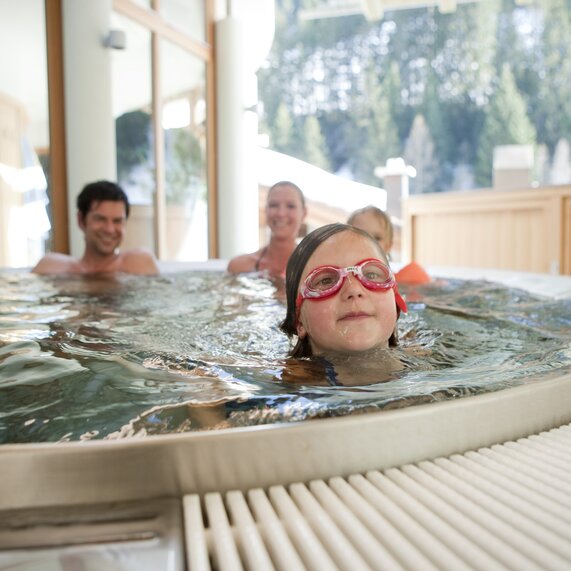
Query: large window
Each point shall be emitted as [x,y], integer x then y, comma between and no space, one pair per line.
[187,15]
[183,122]
[132,109]
[25,227]
[475,98]
[161,109]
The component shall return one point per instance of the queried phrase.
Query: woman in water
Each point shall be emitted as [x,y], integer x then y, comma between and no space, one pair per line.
[342,300]
[285,212]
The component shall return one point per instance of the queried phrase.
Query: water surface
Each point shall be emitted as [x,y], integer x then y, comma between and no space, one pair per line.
[114,357]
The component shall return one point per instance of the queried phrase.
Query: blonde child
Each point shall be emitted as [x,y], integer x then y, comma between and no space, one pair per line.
[378,224]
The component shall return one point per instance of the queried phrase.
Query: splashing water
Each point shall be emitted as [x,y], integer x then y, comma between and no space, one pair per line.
[113,357]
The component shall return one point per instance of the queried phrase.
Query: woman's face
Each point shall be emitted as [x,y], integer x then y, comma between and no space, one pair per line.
[375,226]
[284,211]
[355,318]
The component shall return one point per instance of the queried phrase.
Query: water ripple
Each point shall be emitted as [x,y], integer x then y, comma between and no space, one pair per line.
[128,356]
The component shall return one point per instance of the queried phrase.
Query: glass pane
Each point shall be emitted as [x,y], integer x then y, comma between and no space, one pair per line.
[25,228]
[184,125]
[133,127]
[186,15]
[143,3]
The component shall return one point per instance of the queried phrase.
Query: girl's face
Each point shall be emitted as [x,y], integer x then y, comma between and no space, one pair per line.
[284,211]
[355,318]
[375,226]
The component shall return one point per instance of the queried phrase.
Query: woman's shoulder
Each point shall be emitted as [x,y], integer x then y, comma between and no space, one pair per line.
[244,262]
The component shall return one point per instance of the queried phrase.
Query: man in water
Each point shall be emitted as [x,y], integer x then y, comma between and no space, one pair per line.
[102,211]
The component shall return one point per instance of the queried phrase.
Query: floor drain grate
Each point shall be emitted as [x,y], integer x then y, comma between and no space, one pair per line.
[503,507]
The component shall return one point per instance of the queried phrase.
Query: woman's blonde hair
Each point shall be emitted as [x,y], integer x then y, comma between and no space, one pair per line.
[383,217]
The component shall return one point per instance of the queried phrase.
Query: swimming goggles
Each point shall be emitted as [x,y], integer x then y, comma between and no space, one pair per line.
[326,281]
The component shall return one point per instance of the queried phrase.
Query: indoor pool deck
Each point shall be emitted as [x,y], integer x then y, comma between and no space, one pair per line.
[506,506]
[478,483]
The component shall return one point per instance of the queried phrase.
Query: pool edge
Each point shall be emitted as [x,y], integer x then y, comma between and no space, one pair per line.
[41,475]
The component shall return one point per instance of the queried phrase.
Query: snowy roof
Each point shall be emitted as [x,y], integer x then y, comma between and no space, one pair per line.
[317,185]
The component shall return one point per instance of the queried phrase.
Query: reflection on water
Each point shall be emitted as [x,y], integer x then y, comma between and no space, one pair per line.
[111,357]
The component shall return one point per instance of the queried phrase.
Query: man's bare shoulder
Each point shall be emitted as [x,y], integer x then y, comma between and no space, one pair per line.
[138,261]
[244,263]
[55,263]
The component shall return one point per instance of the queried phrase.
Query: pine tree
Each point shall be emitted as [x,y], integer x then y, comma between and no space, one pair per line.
[438,126]
[283,131]
[379,135]
[133,132]
[506,123]
[553,118]
[419,153]
[314,144]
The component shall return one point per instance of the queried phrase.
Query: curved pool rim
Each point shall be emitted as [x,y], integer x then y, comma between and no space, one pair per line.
[58,474]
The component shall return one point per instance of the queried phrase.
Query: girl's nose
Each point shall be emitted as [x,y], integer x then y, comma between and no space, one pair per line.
[352,287]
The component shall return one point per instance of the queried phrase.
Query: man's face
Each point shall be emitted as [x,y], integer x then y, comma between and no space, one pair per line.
[103,226]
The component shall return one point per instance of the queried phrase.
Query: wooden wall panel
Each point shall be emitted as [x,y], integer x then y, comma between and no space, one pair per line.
[566,236]
[527,230]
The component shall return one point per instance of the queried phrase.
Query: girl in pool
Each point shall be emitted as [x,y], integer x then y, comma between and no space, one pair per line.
[342,298]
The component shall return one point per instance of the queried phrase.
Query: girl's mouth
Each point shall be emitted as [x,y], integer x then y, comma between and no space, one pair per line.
[354,315]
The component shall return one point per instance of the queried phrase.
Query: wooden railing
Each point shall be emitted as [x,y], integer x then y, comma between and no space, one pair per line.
[524,230]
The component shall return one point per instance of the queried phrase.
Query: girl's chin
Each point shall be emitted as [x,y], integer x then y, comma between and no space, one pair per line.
[358,349]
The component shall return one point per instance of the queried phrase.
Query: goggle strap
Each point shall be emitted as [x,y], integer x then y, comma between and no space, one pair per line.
[401,303]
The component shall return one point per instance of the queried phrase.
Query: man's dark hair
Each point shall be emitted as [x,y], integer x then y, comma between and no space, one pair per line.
[98,191]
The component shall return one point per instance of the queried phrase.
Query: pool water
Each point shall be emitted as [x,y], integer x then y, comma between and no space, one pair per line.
[128,356]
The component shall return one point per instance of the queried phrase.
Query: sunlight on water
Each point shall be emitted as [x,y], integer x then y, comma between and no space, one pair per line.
[111,357]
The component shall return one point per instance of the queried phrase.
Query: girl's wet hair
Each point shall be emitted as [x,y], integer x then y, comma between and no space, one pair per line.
[294,271]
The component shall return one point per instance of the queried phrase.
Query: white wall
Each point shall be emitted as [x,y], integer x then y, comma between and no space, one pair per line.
[90,127]
[243,39]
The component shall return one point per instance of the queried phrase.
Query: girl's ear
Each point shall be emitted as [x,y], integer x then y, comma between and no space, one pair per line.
[301,331]
[394,338]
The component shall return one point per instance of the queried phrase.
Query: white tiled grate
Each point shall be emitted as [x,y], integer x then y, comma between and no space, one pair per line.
[503,507]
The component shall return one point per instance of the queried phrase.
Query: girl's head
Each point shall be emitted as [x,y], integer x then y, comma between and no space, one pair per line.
[376,222]
[285,209]
[349,307]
